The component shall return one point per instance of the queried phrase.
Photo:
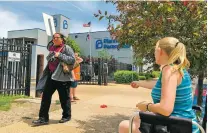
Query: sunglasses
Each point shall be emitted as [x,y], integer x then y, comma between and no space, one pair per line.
[56,37]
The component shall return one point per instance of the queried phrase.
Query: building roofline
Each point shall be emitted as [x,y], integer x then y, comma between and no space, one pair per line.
[27,29]
[23,37]
[87,32]
[61,15]
[68,34]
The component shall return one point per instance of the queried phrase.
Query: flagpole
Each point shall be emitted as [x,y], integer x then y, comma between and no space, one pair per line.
[90,46]
[90,51]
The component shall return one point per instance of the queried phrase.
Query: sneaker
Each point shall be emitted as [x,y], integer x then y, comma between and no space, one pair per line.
[63,120]
[40,121]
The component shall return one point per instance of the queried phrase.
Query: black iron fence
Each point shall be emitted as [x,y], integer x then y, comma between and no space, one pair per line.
[92,73]
[100,71]
[15,67]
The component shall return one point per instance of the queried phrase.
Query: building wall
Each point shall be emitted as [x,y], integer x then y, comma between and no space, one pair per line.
[123,55]
[29,33]
[40,49]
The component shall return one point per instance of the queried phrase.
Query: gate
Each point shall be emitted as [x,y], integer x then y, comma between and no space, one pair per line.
[93,74]
[15,67]
[101,71]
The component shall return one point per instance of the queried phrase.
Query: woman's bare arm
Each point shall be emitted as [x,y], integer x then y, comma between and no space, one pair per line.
[145,84]
[168,93]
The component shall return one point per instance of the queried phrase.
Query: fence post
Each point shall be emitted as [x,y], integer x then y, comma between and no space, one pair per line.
[99,72]
[105,73]
[40,64]
[2,67]
[28,72]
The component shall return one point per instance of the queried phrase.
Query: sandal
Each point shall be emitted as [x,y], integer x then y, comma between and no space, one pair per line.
[76,98]
[72,100]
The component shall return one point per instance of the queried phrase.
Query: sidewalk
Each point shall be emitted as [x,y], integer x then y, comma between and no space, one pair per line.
[87,116]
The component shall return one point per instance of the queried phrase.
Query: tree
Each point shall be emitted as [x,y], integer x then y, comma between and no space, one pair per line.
[142,23]
[104,54]
[73,45]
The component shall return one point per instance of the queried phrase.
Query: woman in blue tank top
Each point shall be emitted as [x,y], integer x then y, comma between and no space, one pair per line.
[172,93]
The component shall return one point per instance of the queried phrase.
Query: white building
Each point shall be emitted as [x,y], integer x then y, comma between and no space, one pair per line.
[99,40]
[38,38]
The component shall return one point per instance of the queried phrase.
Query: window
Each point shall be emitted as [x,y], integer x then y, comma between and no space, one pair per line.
[29,42]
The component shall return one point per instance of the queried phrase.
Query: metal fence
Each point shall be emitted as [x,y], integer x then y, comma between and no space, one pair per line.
[92,73]
[15,67]
[100,71]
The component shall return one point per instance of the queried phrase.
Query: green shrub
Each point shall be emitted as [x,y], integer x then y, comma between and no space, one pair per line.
[155,74]
[142,77]
[141,74]
[124,76]
[148,76]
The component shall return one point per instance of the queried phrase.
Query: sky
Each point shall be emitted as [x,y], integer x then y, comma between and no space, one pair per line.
[19,15]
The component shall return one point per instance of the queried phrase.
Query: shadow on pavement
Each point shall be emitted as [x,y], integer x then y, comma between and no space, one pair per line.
[102,123]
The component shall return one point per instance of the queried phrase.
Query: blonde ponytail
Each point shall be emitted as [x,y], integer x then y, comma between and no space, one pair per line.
[176,52]
[178,57]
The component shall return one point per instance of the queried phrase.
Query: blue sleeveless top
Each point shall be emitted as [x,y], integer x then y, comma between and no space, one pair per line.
[183,101]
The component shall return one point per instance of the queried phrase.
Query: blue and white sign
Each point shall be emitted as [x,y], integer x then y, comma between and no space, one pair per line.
[65,24]
[99,44]
[108,44]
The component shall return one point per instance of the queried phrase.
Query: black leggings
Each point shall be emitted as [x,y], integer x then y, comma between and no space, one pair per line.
[63,91]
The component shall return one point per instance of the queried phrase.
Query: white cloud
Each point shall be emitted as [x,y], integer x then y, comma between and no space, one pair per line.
[89,5]
[57,8]
[11,21]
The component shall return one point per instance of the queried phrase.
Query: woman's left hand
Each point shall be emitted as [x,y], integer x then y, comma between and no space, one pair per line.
[57,54]
[142,106]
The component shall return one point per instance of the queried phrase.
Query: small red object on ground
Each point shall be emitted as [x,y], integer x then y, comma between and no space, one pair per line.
[103,106]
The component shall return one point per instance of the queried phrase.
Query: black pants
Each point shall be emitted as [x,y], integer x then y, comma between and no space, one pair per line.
[63,91]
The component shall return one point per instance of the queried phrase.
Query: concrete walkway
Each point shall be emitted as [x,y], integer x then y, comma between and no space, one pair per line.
[87,116]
